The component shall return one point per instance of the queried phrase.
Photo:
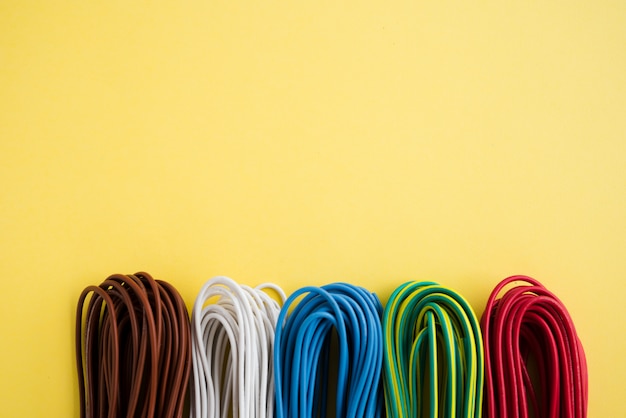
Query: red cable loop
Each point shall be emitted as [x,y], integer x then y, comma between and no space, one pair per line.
[532,352]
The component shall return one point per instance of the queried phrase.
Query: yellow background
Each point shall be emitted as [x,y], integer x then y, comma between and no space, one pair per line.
[303,143]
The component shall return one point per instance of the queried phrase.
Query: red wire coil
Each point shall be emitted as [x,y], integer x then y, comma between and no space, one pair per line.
[534,361]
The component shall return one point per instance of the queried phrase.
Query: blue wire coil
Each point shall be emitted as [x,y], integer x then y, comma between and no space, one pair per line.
[303,351]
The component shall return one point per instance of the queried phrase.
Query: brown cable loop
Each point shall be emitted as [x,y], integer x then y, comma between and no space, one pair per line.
[133,348]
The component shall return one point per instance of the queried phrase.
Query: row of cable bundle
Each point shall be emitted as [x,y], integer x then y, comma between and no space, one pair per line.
[334,351]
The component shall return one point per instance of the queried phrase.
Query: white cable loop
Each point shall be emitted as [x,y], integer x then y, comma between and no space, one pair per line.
[232,336]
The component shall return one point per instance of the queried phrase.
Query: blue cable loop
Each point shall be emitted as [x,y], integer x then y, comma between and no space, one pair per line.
[302,352]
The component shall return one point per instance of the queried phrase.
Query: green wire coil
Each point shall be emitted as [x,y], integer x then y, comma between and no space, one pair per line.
[433,354]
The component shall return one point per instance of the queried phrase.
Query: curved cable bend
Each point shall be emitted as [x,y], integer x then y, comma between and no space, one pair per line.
[535,363]
[433,358]
[232,339]
[302,354]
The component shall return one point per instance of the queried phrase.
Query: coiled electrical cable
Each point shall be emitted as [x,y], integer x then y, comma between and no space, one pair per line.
[535,364]
[232,342]
[433,357]
[132,348]
[302,356]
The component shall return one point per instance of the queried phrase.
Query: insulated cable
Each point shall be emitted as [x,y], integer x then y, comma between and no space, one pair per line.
[232,342]
[535,364]
[304,352]
[433,358]
[132,348]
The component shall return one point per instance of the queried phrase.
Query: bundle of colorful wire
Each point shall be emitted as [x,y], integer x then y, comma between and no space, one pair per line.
[433,362]
[232,343]
[303,351]
[132,348]
[535,364]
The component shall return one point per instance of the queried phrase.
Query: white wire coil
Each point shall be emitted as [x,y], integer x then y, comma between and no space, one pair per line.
[232,333]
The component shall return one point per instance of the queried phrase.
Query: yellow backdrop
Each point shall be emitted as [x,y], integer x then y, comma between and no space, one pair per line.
[303,143]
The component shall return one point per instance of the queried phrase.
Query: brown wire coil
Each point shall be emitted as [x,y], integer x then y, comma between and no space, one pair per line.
[133,350]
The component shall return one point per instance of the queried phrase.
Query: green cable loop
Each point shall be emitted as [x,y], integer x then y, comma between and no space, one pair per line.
[433,355]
